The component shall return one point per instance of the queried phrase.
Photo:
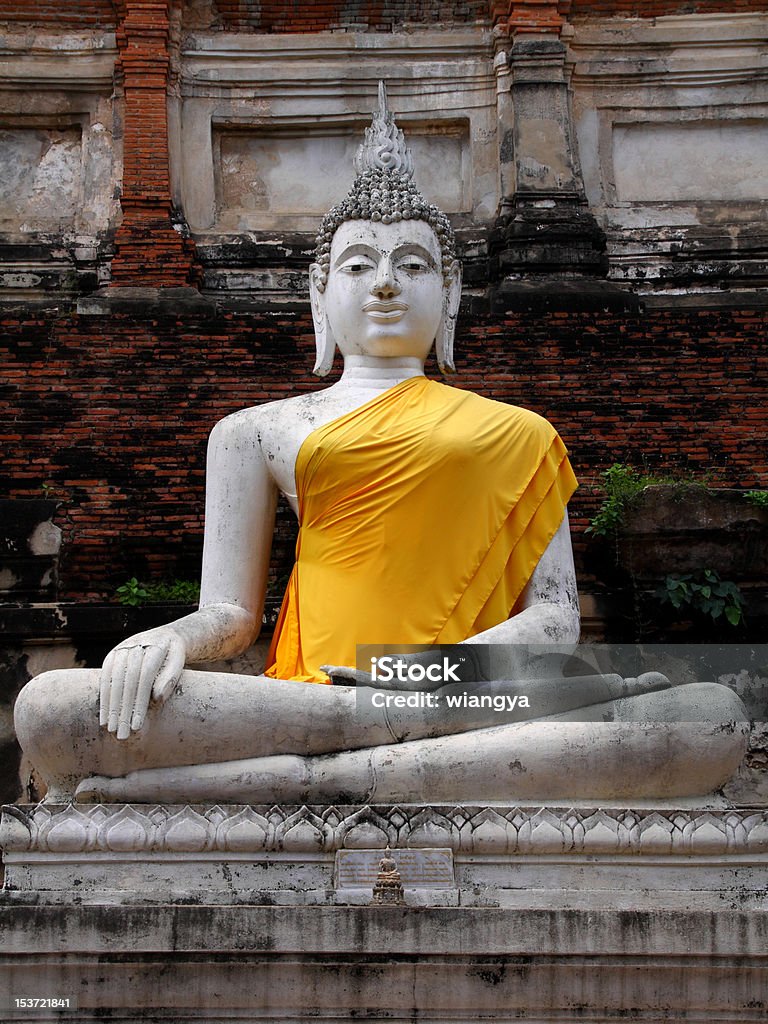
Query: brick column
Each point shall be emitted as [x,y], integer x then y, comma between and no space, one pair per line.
[544,225]
[150,252]
[538,16]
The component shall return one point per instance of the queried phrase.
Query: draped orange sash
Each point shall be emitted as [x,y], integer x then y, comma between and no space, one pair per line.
[423,514]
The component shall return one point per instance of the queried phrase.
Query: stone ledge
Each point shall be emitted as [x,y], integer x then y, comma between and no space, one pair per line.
[550,294]
[517,830]
[146,302]
[756,298]
[274,855]
[63,619]
[398,931]
[260,964]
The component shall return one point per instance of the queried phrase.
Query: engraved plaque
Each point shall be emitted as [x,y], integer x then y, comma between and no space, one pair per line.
[419,869]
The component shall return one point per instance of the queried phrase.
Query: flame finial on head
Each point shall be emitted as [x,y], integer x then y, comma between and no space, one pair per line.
[384,147]
[384,190]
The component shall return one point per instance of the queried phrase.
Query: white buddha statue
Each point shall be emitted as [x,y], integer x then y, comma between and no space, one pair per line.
[428,515]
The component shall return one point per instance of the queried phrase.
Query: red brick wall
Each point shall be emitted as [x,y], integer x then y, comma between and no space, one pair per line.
[113,414]
[378,15]
[386,15]
[148,251]
[381,15]
[535,16]
[659,8]
[95,14]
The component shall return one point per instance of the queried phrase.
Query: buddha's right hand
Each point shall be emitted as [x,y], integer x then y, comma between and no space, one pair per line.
[143,667]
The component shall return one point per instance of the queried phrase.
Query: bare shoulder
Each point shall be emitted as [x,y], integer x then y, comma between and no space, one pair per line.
[264,425]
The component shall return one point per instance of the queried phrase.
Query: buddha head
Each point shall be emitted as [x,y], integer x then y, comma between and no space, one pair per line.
[386,281]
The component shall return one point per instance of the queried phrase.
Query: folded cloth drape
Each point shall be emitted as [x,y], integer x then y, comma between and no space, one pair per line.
[423,514]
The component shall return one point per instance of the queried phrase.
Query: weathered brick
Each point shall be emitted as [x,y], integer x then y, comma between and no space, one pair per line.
[83,14]
[112,414]
[661,8]
[340,15]
[149,251]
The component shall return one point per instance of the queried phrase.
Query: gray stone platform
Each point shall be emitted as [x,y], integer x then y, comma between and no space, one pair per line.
[258,914]
[502,856]
[302,964]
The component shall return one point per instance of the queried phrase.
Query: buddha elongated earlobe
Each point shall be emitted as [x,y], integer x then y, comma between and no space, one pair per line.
[326,350]
[447,327]
[325,343]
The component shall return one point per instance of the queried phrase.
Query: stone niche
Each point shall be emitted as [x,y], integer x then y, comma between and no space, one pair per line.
[60,162]
[265,128]
[718,160]
[262,180]
[670,115]
[41,177]
[58,165]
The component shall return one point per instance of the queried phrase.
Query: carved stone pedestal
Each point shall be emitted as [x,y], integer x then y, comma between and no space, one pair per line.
[262,913]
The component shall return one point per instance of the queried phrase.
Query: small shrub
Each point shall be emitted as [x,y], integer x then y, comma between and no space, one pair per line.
[175,592]
[704,593]
[759,498]
[132,593]
[136,594]
[622,485]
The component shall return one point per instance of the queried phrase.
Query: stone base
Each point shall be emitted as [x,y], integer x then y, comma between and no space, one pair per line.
[513,856]
[547,236]
[547,294]
[330,964]
[264,913]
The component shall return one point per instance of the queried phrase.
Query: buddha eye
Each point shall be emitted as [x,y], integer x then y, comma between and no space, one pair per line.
[356,266]
[413,265]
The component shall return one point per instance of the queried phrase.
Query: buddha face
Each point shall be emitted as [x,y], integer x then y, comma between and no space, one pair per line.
[385,295]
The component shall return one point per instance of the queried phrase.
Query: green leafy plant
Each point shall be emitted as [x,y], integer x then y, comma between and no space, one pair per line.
[705,593]
[136,594]
[132,593]
[176,591]
[759,498]
[52,490]
[622,485]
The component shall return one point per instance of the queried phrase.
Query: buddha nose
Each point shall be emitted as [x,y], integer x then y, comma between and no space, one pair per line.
[385,284]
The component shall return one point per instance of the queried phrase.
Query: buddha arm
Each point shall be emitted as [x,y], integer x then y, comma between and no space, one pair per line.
[239,522]
[240,509]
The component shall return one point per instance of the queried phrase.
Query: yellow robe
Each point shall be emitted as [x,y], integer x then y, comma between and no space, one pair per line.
[423,514]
